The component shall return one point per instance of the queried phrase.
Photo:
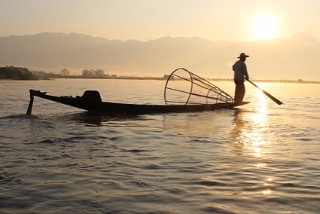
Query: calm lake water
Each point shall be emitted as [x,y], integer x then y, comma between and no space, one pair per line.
[258,158]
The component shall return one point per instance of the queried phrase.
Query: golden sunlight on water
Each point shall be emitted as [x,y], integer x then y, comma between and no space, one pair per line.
[267,186]
[259,124]
[250,128]
[252,135]
[258,158]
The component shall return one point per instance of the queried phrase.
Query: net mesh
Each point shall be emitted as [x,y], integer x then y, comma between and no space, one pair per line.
[186,88]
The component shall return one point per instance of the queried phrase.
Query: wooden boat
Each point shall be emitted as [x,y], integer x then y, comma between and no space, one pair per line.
[92,102]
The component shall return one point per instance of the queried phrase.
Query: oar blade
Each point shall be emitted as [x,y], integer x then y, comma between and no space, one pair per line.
[267,94]
[272,97]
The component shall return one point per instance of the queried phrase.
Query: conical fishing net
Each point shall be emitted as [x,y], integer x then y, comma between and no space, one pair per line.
[186,88]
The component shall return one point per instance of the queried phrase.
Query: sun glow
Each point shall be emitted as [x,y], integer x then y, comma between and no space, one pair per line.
[265,27]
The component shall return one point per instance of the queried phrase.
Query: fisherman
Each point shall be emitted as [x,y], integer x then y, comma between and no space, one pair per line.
[240,74]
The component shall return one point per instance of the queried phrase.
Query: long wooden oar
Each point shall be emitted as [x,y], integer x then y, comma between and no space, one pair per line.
[267,94]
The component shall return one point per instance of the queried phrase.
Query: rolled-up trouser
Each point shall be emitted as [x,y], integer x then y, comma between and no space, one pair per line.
[239,91]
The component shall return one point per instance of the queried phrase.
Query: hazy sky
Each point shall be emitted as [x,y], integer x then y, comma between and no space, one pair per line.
[151,19]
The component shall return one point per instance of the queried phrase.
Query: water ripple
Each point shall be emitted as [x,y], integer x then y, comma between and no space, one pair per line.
[259,158]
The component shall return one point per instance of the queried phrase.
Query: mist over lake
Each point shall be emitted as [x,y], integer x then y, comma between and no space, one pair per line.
[278,59]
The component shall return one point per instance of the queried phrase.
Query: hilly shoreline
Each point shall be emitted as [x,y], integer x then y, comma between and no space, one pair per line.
[286,58]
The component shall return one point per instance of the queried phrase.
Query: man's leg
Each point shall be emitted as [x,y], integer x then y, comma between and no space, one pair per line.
[239,91]
[243,91]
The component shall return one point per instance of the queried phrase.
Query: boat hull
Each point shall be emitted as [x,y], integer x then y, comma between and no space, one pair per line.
[107,108]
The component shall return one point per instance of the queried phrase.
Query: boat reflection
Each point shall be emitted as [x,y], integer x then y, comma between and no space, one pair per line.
[90,119]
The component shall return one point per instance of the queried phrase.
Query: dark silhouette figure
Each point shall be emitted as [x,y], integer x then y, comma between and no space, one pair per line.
[240,74]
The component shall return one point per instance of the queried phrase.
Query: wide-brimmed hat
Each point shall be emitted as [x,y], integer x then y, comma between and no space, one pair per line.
[242,55]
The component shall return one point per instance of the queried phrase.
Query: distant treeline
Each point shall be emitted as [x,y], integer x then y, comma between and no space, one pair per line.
[16,73]
[19,73]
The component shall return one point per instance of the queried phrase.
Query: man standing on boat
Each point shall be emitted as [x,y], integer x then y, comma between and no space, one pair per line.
[240,74]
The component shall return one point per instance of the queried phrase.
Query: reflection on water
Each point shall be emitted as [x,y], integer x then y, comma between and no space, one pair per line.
[267,186]
[251,133]
[91,119]
[261,158]
[250,127]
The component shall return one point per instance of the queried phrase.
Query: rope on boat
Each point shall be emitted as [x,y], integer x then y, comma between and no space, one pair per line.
[198,91]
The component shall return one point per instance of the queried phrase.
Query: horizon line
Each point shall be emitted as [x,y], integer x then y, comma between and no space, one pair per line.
[151,39]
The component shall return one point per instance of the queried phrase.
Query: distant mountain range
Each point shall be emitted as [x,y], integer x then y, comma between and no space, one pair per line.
[291,58]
